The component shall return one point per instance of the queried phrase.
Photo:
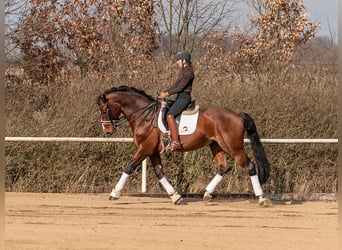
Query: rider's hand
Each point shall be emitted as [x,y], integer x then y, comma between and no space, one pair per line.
[163,94]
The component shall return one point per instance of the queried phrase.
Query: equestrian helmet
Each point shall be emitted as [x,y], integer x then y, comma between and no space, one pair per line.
[183,55]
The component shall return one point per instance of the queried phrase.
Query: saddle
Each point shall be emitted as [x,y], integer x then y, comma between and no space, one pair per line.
[191,109]
[186,121]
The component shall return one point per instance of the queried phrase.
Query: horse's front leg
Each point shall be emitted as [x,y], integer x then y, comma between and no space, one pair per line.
[158,169]
[116,191]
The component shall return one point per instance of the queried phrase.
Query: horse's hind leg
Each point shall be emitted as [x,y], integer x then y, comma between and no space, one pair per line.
[222,169]
[158,169]
[241,158]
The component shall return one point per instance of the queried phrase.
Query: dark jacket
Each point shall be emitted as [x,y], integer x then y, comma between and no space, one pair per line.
[183,82]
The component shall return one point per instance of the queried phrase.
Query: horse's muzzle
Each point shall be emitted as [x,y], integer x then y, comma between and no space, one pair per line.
[107,127]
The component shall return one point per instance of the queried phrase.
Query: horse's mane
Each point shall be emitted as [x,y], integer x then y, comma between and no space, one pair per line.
[124,88]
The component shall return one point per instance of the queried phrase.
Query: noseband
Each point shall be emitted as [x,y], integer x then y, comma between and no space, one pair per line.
[115,122]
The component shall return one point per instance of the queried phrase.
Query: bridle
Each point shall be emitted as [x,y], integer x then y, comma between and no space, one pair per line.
[114,122]
[149,111]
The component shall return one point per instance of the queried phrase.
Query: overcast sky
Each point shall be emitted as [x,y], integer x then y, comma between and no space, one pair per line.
[322,11]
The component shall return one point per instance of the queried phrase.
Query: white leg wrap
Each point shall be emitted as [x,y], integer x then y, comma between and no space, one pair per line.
[256,185]
[167,186]
[123,179]
[212,185]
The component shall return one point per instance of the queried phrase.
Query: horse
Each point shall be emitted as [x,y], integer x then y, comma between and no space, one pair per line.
[221,128]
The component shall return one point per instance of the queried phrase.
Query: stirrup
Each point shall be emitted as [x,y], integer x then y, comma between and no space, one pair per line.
[175,145]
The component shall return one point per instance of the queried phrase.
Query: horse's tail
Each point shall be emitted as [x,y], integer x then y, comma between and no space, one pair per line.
[257,147]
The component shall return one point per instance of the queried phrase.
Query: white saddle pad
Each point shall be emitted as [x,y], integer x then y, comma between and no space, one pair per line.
[187,124]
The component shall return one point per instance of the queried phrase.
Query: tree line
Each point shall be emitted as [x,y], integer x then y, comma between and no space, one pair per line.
[112,36]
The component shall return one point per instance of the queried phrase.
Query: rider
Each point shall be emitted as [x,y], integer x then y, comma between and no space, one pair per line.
[182,87]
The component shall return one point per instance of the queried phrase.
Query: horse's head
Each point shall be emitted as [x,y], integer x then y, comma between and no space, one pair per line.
[110,113]
[134,105]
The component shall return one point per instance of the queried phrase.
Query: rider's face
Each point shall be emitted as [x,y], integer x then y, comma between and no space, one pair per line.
[180,63]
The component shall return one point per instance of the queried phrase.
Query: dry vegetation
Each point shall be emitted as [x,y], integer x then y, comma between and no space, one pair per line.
[286,81]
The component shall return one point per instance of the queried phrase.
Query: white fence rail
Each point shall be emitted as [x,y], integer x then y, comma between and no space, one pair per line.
[144,163]
[100,139]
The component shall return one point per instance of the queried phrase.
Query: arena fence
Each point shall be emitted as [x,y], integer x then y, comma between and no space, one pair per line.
[144,163]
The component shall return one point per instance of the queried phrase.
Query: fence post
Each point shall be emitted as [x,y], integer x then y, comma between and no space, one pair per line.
[143,176]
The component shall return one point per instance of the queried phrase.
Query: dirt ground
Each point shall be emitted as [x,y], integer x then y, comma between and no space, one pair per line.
[91,221]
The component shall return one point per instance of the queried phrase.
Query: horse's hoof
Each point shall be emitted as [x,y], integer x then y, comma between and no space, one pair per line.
[114,195]
[265,202]
[179,201]
[176,198]
[111,198]
[207,197]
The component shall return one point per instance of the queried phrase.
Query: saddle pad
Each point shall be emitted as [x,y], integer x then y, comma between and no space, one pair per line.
[192,111]
[187,123]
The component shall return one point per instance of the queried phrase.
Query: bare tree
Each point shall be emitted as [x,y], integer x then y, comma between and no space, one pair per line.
[13,11]
[258,5]
[188,22]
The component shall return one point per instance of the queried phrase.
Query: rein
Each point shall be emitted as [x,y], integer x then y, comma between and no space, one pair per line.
[149,110]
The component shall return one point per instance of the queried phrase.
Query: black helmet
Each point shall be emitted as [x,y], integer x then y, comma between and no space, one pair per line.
[183,55]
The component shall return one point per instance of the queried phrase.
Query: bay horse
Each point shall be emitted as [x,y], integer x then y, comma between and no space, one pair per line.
[221,128]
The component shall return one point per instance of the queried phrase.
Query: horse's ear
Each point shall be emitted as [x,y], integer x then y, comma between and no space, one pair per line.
[98,93]
[104,98]
[100,97]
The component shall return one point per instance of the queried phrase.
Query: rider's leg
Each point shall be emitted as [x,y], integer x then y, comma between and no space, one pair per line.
[175,144]
[181,102]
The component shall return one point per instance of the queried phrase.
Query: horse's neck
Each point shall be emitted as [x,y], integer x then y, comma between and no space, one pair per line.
[133,106]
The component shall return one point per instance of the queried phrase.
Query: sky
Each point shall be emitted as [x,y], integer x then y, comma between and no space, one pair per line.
[322,11]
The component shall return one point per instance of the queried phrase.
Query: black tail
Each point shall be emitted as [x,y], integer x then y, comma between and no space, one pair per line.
[257,147]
